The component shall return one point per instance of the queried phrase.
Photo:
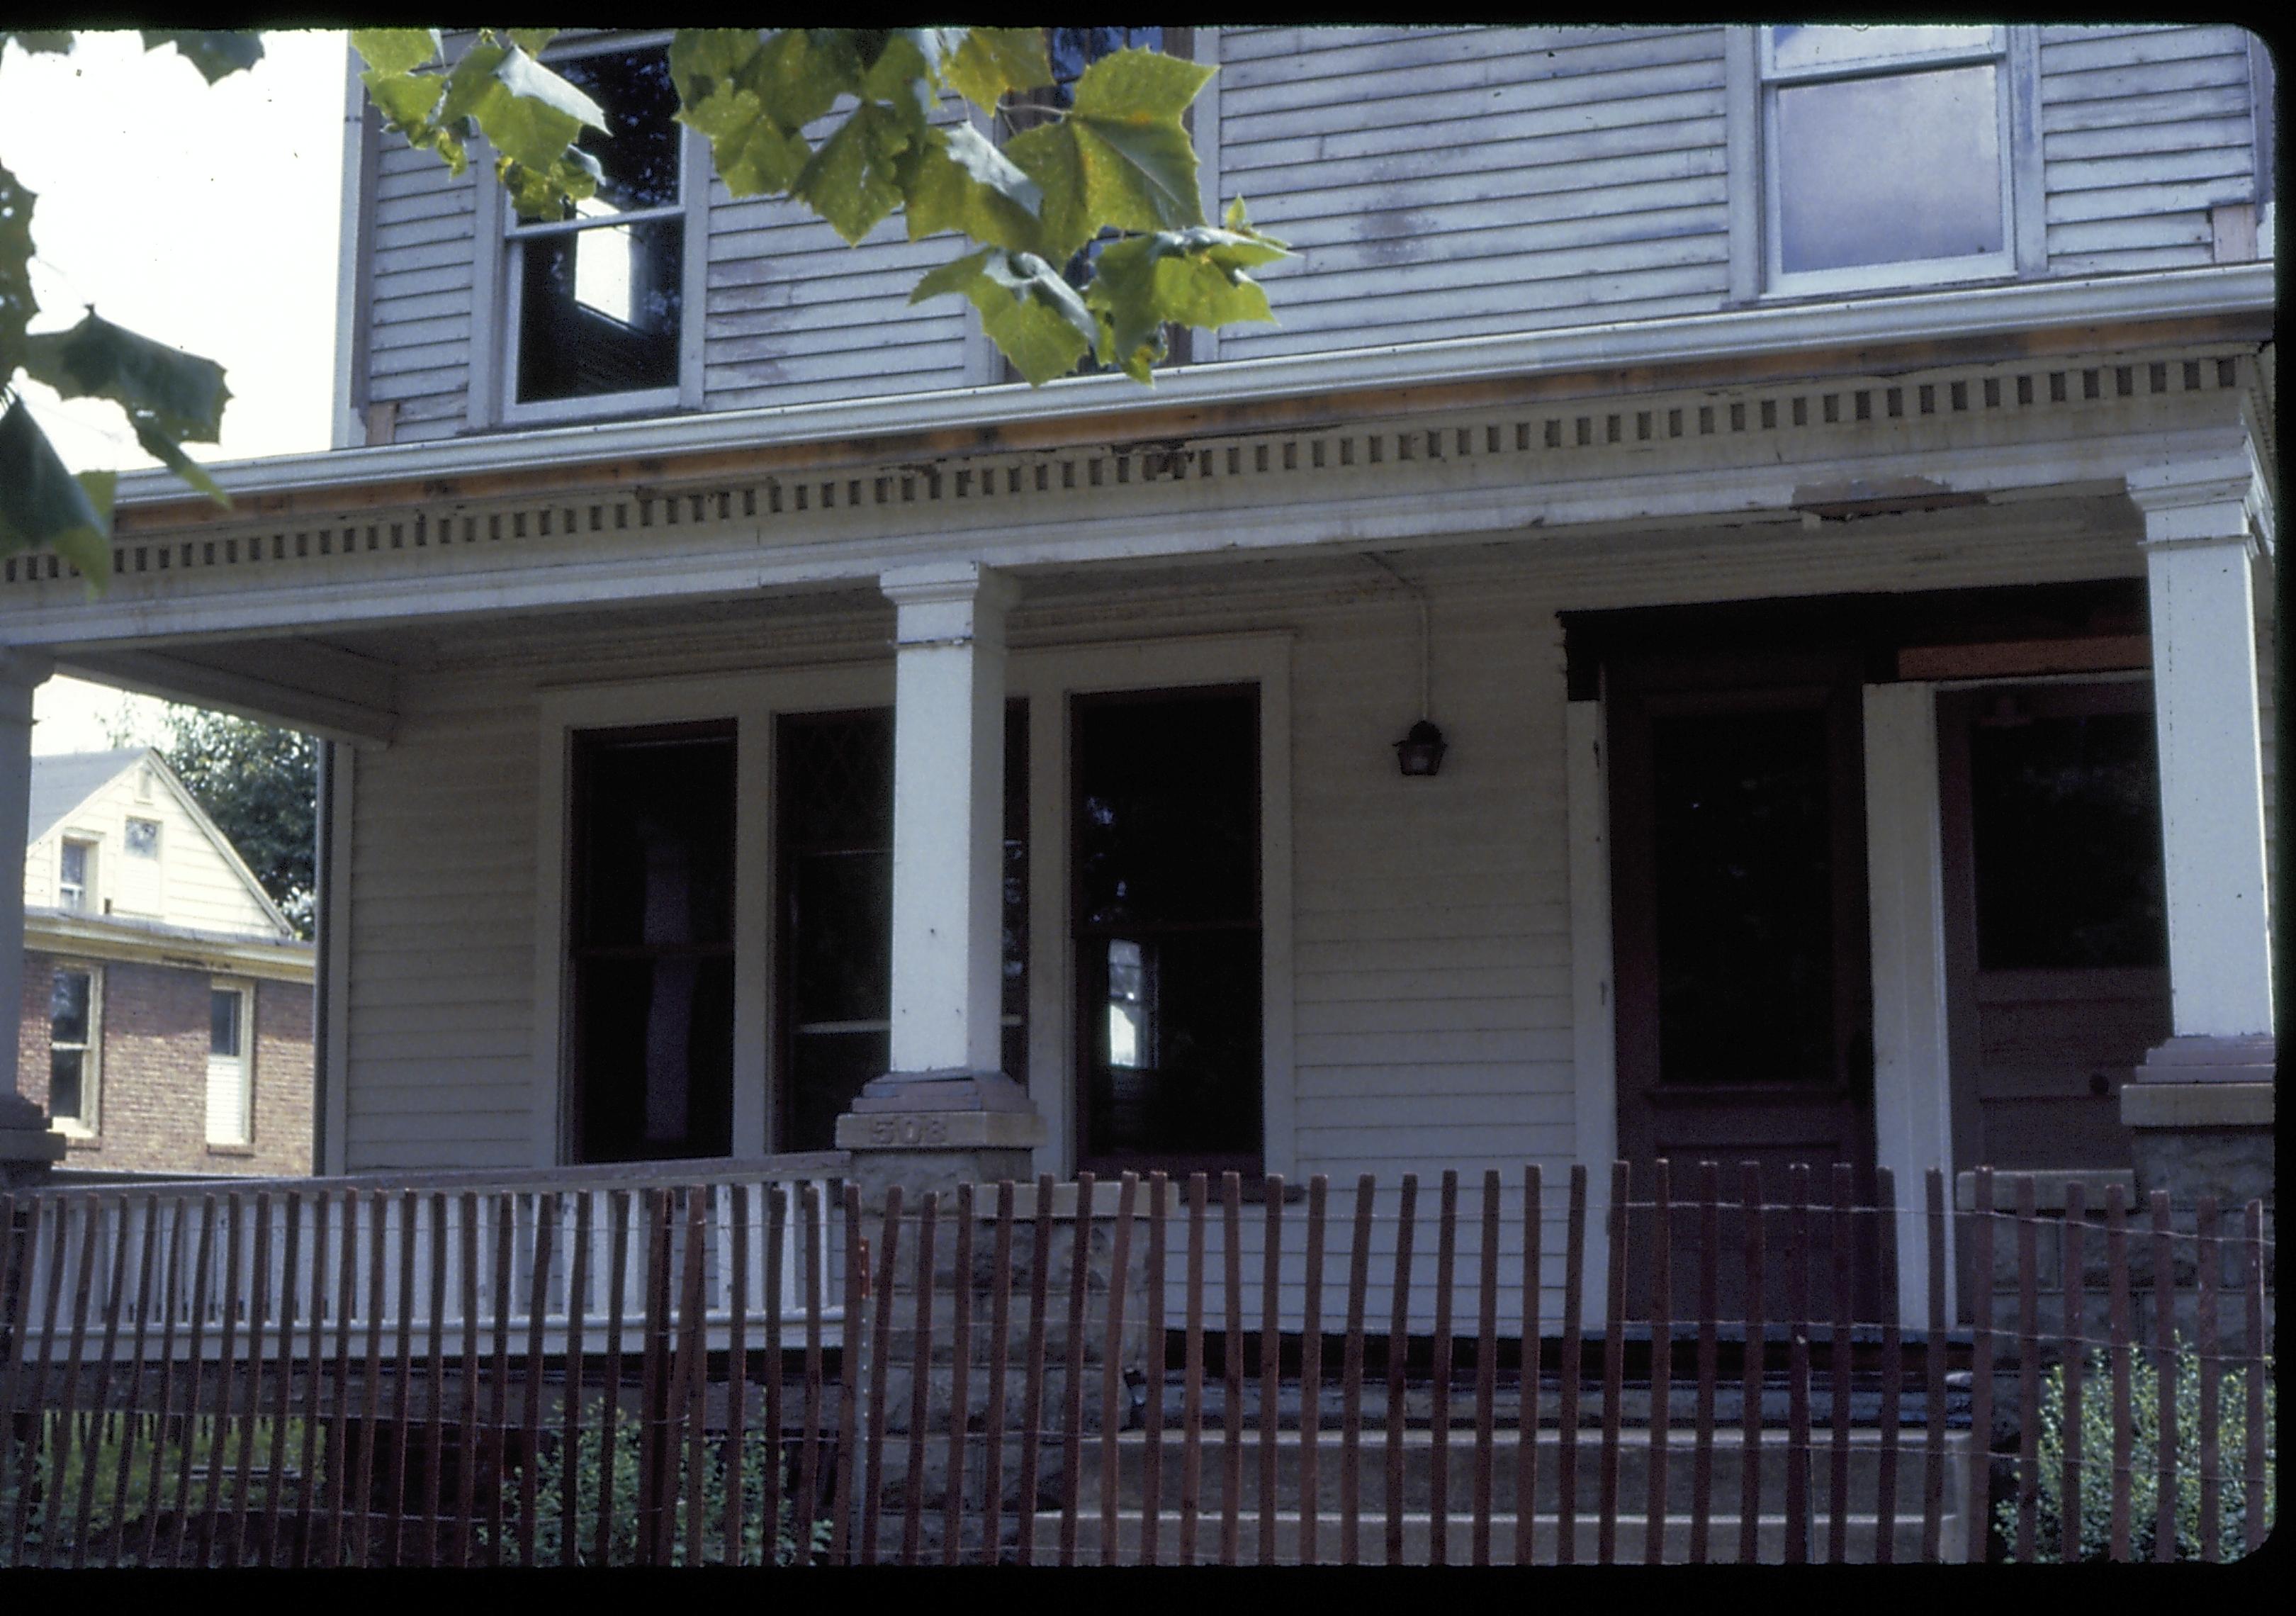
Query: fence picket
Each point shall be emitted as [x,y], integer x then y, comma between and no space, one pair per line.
[2117,1323]
[2211,1275]
[1661,1355]
[1439,1424]
[2029,1370]
[1614,1367]
[1487,1366]
[529,1458]
[2164,1363]
[872,1487]
[1398,1345]
[1842,1226]
[1231,1365]
[1072,1388]
[1352,1366]
[1000,1326]
[1311,1372]
[1526,1454]
[1750,1368]
[1798,1257]
[737,1380]
[808,1480]
[1571,1370]
[1933,1358]
[1701,1461]
[2075,1347]
[1980,1358]
[1032,1385]
[959,1391]
[1120,1274]
[1270,1347]
[1151,1467]
[466,1479]
[920,1358]
[849,1394]
[1893,1365]
[1192,1397]
[2252,1473]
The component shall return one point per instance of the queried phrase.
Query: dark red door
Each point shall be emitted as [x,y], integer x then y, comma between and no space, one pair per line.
[1739,915]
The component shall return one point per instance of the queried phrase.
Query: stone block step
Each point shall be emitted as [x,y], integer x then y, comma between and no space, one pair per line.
[1636,1456]
[1633,1534]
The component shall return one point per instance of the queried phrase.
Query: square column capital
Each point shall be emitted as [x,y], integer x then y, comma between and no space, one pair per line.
[947,602]
[2205,499]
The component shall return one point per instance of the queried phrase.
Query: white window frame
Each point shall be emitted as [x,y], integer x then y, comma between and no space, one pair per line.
[89,903]
[1756,203]
[245,992]
[498,292]
[90,1120]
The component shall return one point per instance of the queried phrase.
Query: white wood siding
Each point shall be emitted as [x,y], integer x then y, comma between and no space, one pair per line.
[421,321]
[442,874]
[2143,131]
[1509,179]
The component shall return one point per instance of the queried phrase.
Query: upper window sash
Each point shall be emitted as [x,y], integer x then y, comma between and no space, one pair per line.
[1887,50]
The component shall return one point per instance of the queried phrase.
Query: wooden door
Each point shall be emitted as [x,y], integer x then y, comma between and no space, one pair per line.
[2056,930]
[1744,1014]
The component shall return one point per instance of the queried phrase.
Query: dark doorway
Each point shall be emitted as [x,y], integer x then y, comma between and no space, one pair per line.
[2056,929]
[651,943]
[1739,914]
[1167,930]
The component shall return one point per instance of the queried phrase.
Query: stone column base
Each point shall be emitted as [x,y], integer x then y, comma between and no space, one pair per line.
[936,1130]
[2199,1113]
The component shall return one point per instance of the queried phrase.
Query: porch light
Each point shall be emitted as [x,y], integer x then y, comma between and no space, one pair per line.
[1420,752]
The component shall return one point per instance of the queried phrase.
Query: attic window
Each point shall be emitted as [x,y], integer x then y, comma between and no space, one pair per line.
[1887,153]
[143,839]
[596,299]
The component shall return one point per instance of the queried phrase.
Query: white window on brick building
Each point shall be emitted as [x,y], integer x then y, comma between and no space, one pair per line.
[75,876]
[231,1064]
[74,1009]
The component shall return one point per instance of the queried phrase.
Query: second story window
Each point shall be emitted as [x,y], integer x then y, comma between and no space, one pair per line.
[75,876]
[595,301]
[1886,155]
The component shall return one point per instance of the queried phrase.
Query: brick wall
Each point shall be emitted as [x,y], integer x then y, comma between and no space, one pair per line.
[152,1105]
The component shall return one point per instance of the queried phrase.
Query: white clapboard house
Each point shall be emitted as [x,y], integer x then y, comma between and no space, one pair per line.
[1818,485]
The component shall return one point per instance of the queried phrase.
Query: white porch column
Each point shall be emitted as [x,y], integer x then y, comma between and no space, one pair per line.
[26,1145]
[1913,1087]
[949,817]
[2205,521]
[946,1113]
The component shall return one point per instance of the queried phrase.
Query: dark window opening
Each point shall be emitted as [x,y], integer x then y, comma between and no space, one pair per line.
[652,943]
[600,292]
[1745,893]
[835,818]
[71,997]
[1167,926]
[2065,817]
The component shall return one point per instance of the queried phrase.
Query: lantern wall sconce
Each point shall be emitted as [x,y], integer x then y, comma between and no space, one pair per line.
[1420,753]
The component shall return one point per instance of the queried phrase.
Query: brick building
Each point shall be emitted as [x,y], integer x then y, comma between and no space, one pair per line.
[166,1016]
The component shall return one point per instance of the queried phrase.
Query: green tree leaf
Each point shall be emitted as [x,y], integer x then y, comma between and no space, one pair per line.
[18,304]
[1120,157]
[169,395]
[991,63]
[956,179]
[394,50]
[1035,317]
[217,54]
[854,181]
[43,505]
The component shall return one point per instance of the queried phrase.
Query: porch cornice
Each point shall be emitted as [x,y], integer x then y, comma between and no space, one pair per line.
[1871,335]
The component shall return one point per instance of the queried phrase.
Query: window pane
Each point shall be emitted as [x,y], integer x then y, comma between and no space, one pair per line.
[72,878]
[1797,46]
[1169,827]
[2066,818]
[841,920]
[1745,895]
[600,310]
[68,993]
[656,859]
[1889,170]
[223,1028]
[656,1057]
[1174,1057]
[66,1086]
[638,149]
[143,838]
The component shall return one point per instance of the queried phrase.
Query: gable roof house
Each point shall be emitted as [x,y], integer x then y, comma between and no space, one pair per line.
[1817,485]
[166,1018]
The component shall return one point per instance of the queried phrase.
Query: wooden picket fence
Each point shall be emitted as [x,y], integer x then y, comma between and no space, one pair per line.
[744,1367]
